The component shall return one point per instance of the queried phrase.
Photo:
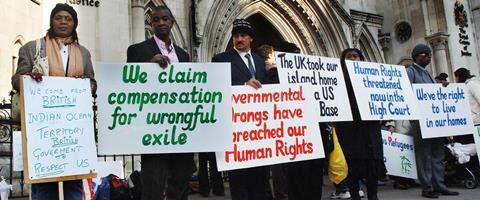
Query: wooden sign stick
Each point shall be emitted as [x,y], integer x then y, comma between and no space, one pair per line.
[60,190]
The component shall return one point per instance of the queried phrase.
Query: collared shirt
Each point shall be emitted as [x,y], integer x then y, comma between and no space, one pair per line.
[168,51]
[64,54]
[242,55]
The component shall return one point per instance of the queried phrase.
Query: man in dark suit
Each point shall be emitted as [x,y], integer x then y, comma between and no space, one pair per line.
[247,68]
[156,168]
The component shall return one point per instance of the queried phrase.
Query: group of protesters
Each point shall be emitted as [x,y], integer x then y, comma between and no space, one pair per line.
[166,176]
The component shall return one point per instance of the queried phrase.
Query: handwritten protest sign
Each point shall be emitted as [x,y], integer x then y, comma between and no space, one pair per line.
[143,108]
[382,91]
[57,127]
[399,154]
[326,78]
[445,110]
[275,124]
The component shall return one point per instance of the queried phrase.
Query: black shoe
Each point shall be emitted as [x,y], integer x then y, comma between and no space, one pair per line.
[204,194]
[447,193]
[219,194]
[400,186]
[429,194]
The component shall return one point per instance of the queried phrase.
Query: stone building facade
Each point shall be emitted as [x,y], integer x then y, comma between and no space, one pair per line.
[385,30]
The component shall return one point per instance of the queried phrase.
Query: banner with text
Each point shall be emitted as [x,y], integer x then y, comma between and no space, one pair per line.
[326,78]
[445,112]
[275,124]
[58,128]
[399,154]
[148,109]
[382,91]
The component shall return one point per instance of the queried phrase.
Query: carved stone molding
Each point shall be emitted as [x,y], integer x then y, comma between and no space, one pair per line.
[439,40]
[370,18]
[384,39]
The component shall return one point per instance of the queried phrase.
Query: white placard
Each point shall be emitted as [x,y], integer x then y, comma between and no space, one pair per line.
[445,110]
[399,154]
[58,121]
[17,151]
[185,107]
[275,124]
[326,78]
[382,91]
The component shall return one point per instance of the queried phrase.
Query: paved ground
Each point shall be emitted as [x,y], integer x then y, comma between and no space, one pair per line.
[385,192]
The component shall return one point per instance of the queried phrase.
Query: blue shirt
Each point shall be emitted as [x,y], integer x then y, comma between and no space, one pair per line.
[418,74]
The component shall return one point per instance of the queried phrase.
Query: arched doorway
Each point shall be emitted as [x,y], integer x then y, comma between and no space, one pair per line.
[265,32]
[315,26]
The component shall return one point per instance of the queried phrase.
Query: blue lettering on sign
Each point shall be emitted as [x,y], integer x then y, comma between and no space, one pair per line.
[377,110]
[392,141]
[405,110]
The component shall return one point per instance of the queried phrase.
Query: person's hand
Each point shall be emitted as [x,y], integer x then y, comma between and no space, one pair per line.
[391,129]
[162,60]
[37,76]
[254,83]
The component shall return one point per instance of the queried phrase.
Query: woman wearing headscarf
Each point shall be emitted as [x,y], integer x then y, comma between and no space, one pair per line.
[361,141]
[65,58]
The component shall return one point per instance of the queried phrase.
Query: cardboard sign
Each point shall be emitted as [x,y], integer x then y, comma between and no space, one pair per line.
[445,110]
[274,124]
[399,154]
[57,127]
[144,109]
[327,82]
[382,91]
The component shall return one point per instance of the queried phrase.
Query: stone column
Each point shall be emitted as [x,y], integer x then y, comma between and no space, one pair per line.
[475,7]
[439,43]
[426,20]
[385,40]
[138,21]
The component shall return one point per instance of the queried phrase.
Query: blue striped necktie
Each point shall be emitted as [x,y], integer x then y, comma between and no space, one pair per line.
[250,65]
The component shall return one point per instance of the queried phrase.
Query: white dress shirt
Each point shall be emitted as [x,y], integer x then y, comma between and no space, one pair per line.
[64,54]
[242,55]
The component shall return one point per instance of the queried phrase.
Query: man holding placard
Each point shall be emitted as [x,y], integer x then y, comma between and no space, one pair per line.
[157,167]
[429,153]
[247,68]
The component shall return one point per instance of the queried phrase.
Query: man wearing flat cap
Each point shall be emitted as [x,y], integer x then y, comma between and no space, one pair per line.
[429,153]
[247,68]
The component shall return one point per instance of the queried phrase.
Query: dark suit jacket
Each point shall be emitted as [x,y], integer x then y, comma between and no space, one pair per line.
[157,167]
[240,72]
[144,51]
